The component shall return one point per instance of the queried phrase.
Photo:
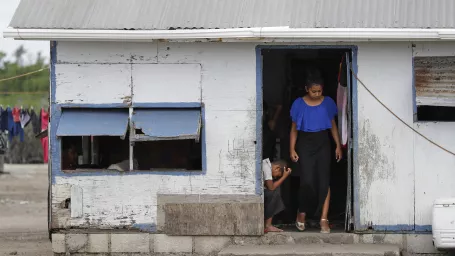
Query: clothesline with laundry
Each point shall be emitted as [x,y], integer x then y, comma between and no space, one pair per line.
[13,120]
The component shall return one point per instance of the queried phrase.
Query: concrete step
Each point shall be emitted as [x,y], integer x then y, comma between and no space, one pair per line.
[310,237]
[318,238]
[299,238]
[312,250]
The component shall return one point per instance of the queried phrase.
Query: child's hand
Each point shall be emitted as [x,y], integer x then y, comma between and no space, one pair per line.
[287,172]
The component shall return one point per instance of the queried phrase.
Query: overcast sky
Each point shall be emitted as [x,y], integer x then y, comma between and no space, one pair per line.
[7,9]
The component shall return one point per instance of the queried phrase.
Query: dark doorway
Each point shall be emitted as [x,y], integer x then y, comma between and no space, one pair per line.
[283,76]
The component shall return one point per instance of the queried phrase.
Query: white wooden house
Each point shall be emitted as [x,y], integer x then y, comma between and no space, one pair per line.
[175,89]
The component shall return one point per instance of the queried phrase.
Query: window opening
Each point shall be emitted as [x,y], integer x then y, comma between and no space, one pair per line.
[94,152]
[167,139]
[434,79]
[93,138]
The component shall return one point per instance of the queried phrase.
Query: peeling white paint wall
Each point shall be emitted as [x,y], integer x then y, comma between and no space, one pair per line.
[224,75]
[434,168]
[400,173]
[386,157]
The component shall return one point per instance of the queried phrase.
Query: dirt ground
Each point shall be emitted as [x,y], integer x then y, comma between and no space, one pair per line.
[23,211]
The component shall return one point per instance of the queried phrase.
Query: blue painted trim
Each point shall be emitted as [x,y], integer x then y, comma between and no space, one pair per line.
[354,52]
[393,228]
[134,105]
[355,143]
[402,228]
[315,47]
[102,105]
[355,119]
[414,93]
[168,105]
[203,141]
[146,227]
[259,113]
[56,155]
[54,150]
[423,228]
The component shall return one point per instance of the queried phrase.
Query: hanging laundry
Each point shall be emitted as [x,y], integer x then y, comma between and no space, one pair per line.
[3,120]
[36,123]
[14,127]
[342,96]
[342,115]
[44,118]
[3,142]
[10,119]
[16,114]
[24,118]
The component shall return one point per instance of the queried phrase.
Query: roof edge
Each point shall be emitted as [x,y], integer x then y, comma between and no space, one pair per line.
[237,34]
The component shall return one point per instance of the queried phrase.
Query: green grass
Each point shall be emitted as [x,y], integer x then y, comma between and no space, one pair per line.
[25,100]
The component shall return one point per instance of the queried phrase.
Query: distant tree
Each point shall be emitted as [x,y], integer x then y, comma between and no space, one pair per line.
[2,56]
[18,54]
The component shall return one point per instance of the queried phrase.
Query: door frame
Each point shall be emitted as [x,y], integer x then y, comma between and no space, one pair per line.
[355,206]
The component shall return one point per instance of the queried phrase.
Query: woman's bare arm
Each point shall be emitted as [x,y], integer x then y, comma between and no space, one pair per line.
[336,137]
[293,141]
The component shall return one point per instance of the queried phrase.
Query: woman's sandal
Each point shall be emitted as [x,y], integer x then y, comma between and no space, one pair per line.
[325,231]
[300,226]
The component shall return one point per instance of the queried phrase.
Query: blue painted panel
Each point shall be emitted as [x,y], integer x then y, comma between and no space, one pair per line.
[85,105]
[168,123]
[95,122]
[167,105]
[402,228]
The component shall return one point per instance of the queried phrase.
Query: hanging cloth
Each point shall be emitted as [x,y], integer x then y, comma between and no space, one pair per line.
[16,114]
[3,120]
[24,117]
[342,96]
[36,123]
[14,128]
[44,117]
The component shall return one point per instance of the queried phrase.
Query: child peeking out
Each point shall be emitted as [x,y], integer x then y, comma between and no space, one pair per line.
[274,175]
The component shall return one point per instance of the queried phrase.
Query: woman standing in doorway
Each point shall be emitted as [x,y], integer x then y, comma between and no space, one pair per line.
[312,119]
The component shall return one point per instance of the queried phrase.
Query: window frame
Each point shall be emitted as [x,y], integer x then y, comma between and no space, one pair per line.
[133,138]
[130,108]
[60,137]
[428,101]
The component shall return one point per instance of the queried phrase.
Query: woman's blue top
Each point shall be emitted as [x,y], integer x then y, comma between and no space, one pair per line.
[313,118]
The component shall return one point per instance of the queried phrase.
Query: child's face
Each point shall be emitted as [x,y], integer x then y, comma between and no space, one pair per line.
[276,171]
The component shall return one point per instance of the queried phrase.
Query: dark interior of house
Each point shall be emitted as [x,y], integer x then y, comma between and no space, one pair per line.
[283,81]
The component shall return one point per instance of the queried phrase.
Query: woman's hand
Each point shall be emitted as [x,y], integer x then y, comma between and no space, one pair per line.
[294,156]
[338,154]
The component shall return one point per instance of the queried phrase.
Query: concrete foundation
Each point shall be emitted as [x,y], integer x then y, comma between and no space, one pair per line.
[161,244]
[210,215]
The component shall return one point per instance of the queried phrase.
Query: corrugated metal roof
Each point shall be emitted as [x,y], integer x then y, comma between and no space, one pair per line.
[211,14]
[167,124]
[435,80]
[93,122]
[374,14]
